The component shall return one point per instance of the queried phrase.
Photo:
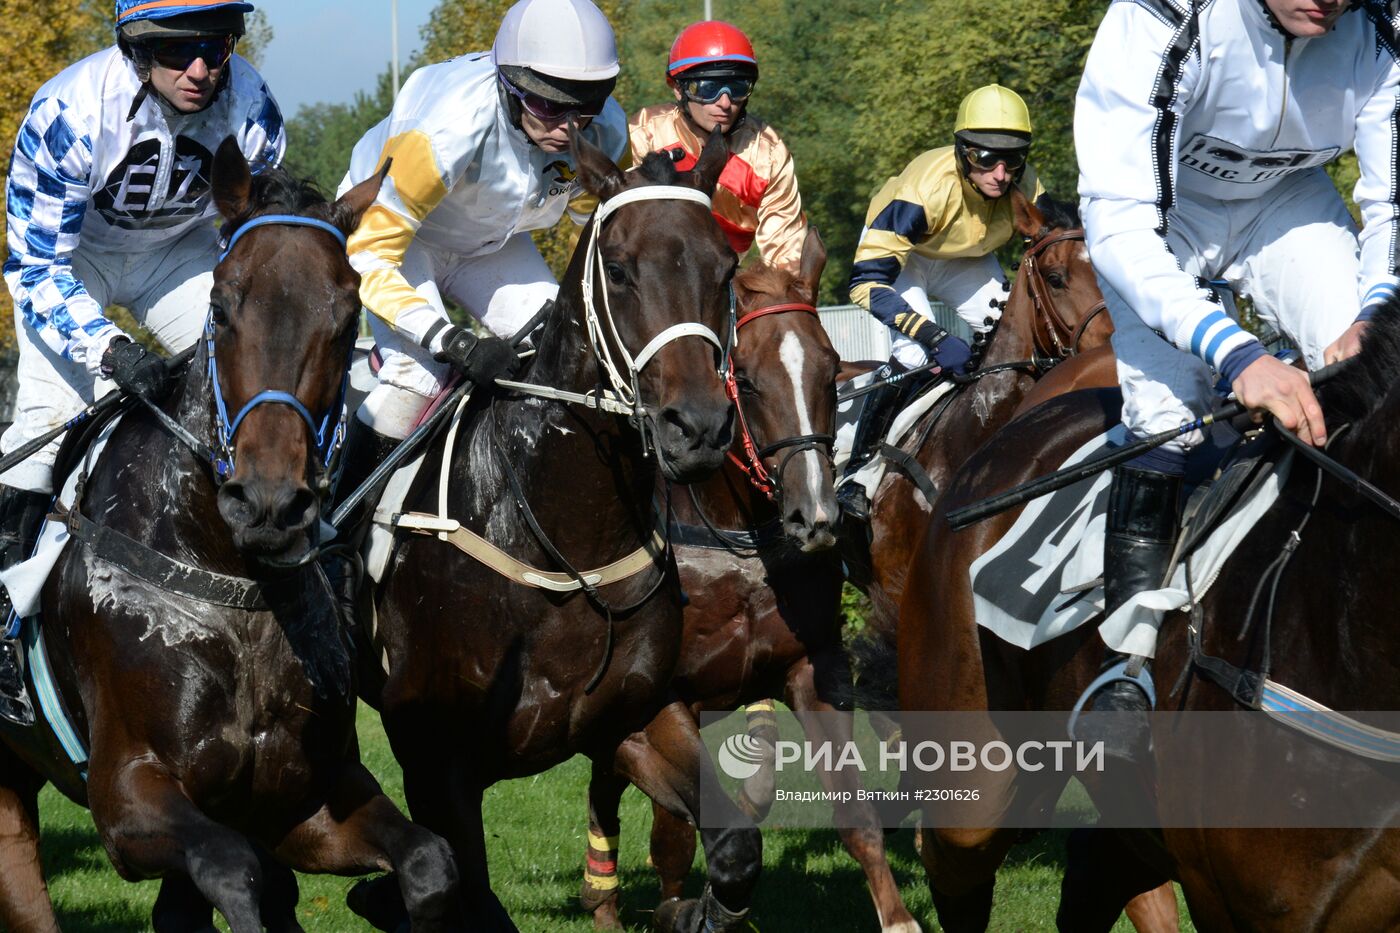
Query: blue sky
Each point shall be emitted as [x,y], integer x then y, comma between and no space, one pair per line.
[326,50]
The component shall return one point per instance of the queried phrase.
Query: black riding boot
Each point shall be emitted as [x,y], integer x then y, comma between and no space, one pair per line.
[879,410]
[365,449]
[21,511]
[1143,520]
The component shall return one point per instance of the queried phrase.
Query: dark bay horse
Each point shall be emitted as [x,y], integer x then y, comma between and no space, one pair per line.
[485,678]
[1053,313]
[1328,641]
[195,642]
[755,550]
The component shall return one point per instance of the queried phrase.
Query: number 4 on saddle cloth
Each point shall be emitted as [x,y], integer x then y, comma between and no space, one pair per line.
[1045,576]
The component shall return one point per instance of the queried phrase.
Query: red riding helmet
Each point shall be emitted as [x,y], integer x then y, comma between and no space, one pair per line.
[714,47]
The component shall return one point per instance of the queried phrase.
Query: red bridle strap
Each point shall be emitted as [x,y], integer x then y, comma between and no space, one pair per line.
[776,309]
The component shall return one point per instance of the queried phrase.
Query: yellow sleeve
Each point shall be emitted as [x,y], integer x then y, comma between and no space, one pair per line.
[902,215]
[378,245]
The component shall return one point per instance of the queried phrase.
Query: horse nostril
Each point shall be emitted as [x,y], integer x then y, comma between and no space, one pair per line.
[299,510]
[233,502]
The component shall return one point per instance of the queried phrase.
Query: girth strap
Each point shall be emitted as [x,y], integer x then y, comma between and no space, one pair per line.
[160,571]
[909,465]
[477,547]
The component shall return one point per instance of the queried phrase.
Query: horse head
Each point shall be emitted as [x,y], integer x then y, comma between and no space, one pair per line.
[785,394]
[283,315]
[1056,296]
[655,289]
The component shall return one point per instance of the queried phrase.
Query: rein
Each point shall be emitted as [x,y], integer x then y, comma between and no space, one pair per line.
[768,482]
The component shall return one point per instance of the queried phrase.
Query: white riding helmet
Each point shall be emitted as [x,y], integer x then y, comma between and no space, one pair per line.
[563,50]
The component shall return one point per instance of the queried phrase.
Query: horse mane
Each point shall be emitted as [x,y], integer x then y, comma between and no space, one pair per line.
[1059,215]
[275,190]
[657,167]
[1368,379]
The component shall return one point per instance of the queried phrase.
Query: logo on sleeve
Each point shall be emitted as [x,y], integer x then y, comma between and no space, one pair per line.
[565,180]
[1227,161]
[134,198]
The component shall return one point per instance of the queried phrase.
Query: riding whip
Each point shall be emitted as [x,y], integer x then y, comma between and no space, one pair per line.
[107,402]
[891,380]
[424,430]
[961,518]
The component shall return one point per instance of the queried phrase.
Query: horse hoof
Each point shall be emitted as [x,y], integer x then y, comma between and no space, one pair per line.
[677,916]
[379,903]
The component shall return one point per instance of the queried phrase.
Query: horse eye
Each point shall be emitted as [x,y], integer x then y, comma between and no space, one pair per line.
[217,312]
[1055,279]
[746,386]
[616,274]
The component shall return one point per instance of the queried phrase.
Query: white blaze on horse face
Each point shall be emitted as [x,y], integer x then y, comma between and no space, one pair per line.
[794,361]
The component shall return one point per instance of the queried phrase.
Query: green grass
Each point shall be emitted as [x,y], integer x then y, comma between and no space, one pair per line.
[535,831]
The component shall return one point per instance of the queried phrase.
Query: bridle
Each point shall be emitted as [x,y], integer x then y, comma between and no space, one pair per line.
[768,482]
[327,434]
[622,368]
[1054,337]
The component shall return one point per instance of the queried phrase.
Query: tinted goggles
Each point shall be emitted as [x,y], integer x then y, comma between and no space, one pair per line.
[551,111]
[180,54]
[987,159]
[709,90]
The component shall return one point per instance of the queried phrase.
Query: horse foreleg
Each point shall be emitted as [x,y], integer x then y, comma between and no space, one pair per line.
[857,821]
[24,896]
[672,850]
[358,830]
[668,762]
[1103,875]
[961,865]
[600,894]
[150,829]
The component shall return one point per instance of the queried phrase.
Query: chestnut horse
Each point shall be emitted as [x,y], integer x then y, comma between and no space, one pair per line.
[484,677]
[1328,639]
[755,549]
[197,649]
[1053,313]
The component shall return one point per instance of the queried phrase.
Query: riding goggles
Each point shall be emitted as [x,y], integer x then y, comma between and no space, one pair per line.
[709,90]
[552,111]
[987,159]
[180,54]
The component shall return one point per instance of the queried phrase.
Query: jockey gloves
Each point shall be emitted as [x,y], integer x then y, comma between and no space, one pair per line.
[480,359]
[135,369]
[949,352]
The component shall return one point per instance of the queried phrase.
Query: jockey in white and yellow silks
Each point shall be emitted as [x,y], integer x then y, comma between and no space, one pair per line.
[930,232]
[480,157]
[712,71]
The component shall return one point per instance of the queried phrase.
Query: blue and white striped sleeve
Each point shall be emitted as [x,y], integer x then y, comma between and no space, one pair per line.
[46,199]
[263,136]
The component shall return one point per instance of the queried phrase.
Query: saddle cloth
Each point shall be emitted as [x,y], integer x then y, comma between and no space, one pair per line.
[848,414]
[1045,576]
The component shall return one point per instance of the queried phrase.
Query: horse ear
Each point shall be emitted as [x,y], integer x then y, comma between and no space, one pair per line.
[712,160]
[813,262]
[1028,218]
[351,206]
[233,182]
[597,173]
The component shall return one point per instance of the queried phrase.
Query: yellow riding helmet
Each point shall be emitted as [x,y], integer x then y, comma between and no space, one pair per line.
[994,117]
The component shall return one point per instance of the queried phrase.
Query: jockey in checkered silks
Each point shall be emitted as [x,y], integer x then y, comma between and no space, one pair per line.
[109,203]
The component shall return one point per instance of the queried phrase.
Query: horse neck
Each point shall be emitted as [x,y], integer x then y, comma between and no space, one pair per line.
[583,472]
[170,501]
[727,500]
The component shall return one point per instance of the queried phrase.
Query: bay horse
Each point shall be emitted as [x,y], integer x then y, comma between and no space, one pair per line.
[1054,313]
[479,677]
[195,643]
[1327,640]
[755,549]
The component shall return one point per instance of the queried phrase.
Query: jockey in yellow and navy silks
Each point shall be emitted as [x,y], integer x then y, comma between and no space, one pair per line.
[930,232]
